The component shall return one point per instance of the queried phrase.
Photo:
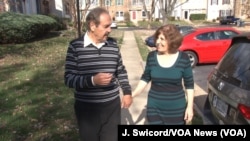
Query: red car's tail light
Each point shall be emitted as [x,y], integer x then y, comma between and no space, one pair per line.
[245,110]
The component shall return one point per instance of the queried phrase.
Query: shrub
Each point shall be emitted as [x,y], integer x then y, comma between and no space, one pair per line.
[197,17]
[20,28]
[61,22]
[171,18]
[130,24]
[127,17]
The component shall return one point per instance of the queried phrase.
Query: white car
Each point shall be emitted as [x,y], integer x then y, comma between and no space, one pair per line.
[113,25]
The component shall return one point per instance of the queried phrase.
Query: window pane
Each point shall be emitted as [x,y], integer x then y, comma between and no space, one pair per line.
[119,2]
[107,2]
[213,2]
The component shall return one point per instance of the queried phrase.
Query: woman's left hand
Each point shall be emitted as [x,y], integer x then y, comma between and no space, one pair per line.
[189,115]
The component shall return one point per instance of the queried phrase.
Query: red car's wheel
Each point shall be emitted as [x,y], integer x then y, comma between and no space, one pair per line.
[193,58]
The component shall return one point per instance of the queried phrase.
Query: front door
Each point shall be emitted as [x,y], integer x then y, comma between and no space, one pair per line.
[186,14]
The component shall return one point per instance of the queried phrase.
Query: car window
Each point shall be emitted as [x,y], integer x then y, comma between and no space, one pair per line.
[235,65]
[206,36]
[226,34]
[184,29]
[188,32]
[221,35]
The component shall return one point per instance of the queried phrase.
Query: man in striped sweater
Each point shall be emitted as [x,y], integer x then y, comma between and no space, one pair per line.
[94,68]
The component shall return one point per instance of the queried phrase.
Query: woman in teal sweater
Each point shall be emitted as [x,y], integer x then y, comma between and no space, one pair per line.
[171,95]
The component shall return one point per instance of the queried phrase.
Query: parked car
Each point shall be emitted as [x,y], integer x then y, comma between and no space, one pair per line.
[207,44]
[184,28]
[114,25]
[204,44]
[228,99]
[149,41]
[229,20]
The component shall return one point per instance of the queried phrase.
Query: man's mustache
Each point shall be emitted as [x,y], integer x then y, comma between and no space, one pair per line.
[106,34]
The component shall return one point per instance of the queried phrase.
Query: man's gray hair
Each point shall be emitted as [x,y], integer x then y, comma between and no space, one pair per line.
[94,16]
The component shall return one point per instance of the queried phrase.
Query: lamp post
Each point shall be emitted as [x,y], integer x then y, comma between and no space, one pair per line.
[78,18]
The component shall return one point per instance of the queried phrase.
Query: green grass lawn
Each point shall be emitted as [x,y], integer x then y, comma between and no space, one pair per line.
[35,105]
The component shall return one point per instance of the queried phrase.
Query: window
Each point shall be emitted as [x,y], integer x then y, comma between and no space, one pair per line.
[119,14]
[92,2]
[95,2]
[134,2]
[224,13]
[226,2]
[144,14]
[140,2]
[214,2]
[67,7]
[119,2]
[229,33]
[228,12]
[147,2]
[222,35]
[107,2]
[237,59]
[16,6]
[206,36]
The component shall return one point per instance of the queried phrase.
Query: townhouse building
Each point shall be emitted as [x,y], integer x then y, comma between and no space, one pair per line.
[132,9]
[219,8]
[121,9]
[137,12]
[56,7]
[242,9]
[184,8]
[117,9]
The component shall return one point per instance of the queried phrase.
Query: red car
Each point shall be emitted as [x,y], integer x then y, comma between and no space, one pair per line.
[207,44]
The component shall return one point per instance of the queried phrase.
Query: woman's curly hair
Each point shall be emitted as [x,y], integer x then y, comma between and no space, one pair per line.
[172,35]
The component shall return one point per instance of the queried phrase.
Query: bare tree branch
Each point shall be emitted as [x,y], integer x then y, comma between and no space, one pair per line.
[246,8]
[166,9]
[149,14]
[73,11]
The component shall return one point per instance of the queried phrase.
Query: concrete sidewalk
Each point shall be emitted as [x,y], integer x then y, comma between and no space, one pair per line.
[133,63]
[135,66]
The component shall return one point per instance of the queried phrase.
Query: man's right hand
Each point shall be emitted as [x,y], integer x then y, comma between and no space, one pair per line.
[102,78]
